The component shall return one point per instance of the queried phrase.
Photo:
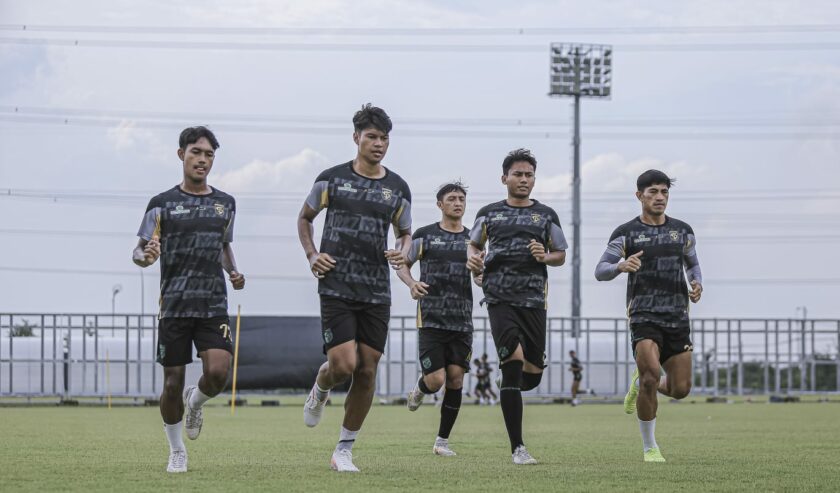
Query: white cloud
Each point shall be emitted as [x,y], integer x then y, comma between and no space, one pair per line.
[262,175]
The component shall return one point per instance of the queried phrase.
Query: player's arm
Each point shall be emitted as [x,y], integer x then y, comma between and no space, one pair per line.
[402,230]
[318,199]
[555,253]
[475,250]
[147,250]
[418,288]
[237,279]
[610,265]
[692,269]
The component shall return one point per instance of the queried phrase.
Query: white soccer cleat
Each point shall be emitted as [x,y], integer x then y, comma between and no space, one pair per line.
[177,461]
[342,461]
[415,398]
[313,408]
[193,418]
[522,457]
[442,448]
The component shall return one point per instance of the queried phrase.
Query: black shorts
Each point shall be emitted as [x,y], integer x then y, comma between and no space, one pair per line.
[176,337]
[671,340]
[578,376]
[516,325]
[439,348]
[347,320]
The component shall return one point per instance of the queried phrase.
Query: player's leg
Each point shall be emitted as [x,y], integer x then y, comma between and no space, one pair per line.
[647,362]
[431,345]
[213,340]
[677,380]
[338,331]
[575,387]
[174,352]
[449,408]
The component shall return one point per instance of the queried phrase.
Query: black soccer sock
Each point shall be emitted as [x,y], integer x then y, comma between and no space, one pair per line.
[449,411]
[421,384]
[530,380]
[510,396]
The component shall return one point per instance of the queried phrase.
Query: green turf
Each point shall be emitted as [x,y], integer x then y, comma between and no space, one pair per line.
[709,447]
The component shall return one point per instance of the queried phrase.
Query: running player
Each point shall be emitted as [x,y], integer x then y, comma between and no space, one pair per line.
[363,199]
[444,308]
[488,377]
[656,250]
[524,237]
[577,373]
[190,227]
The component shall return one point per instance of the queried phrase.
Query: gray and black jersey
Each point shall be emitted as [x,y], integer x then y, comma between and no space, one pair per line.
[511,274]
[657,293]
[193,230]
[360,211]
[443,266]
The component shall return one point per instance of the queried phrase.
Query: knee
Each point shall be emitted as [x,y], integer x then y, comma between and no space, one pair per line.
[681,390]
[365,375]
[341,370]
[217,377]
[649,381]
[455,381]
[172,388]
[434,381]
[531,381]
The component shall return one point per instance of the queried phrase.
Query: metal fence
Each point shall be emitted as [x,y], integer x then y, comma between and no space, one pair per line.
[93,355]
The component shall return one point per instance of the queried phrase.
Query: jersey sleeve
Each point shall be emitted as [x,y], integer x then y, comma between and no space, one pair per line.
[415,253]
[556,237]
[478,233]
[607,268]
[229,228]
[150,225]
[319,197]
[402,217]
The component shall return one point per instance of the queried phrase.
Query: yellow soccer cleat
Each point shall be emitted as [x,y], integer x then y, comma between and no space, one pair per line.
[632,394]
[654,455]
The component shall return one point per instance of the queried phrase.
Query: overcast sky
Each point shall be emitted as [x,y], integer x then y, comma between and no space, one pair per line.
[747,119]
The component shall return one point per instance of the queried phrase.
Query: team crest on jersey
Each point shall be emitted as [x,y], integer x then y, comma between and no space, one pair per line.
[674,235]
[220,209]
[386,193]
[535,217]
[427,363]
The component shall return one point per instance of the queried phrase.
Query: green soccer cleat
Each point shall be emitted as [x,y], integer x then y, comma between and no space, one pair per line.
[654,455]
[632,394]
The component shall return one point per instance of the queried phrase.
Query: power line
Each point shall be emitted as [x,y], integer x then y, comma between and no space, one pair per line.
[480,31]
[409,48]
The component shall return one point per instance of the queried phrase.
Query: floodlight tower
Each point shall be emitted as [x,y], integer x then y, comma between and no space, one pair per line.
[579,70]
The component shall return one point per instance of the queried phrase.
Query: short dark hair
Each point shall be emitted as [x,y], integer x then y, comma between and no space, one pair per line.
[191,135]
[653,177]
[455,186]
[516,156]
[371,116]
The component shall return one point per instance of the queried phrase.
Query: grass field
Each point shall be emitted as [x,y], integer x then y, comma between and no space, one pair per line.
[709,447]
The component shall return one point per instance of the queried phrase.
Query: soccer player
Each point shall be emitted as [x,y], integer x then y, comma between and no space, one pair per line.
[363,199]
[577,371]
[444,308]
[488,377]
[523,236]
[481,383]
[190,228]
[656,249]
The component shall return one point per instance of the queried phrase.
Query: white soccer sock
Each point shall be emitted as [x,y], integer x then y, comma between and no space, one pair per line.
[648,429]
[346,439]
[320,393]
[198,398]
[173,434]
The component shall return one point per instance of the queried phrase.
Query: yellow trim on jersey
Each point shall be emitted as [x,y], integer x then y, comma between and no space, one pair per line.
[325,198]
[420,253]
[156,232]
[397,216]
[545,294]
[483,233]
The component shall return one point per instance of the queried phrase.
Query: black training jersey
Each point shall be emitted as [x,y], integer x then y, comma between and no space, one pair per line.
[443,266]
[359,212]
[511,274]
[576,366]
[657,293]
[192,230]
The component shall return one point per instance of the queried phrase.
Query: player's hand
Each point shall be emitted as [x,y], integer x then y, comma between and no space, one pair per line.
[237,279]
[419,290]
[476,263]
[320,264]
[479,280]
[151,252]
[696,291]
[632,264]
[537,250]
[395,258]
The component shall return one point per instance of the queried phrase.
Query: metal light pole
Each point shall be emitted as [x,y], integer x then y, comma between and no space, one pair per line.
[114,292]
[579,70]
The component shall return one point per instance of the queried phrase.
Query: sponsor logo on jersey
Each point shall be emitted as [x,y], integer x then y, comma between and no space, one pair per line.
[347,187]
[438,241]
[180,210]
[499,217]
[641,239]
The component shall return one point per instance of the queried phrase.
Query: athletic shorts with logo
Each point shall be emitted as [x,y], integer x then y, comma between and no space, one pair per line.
[671,340]
[344,320]
[176,337]
[439,348]
[516,325]
[578,376]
